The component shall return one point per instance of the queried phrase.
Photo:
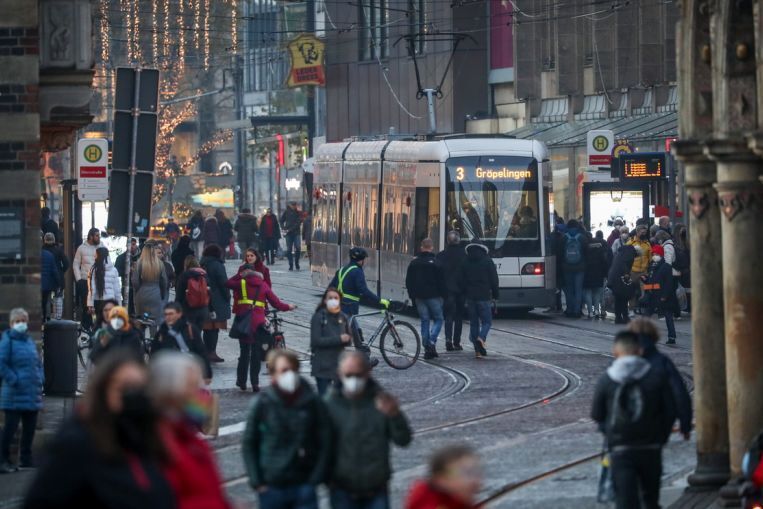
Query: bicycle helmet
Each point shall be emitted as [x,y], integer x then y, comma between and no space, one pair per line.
[357,254]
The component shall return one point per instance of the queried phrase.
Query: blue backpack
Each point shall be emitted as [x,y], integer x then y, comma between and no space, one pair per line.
[573,250]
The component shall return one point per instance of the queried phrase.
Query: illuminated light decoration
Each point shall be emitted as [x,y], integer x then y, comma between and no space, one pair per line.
[104,32]
[217,199]
[197,24]
[221,138]
[206,35]
[154,32]
[292,184]
[124,7]
[166,52]
[137,52]
[181,42]
[234,26]
[281,155]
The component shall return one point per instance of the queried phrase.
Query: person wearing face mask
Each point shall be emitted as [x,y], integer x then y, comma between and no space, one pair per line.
[109,453]
[177,334]
[21,391]
[287,438]
[455,480]
[659,291]
[364,420]
[118,334]
[175,386]
[329,335]
[640,242]
[621,240]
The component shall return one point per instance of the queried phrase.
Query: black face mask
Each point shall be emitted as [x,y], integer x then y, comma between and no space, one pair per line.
[136,420]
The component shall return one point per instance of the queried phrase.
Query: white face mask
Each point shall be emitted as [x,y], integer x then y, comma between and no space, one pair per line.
[21,327]
[332,304]
[117,323]
[288,382]
[656,258]
[353,385]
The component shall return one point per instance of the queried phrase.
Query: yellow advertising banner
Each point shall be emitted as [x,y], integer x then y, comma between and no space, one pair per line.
[307,53]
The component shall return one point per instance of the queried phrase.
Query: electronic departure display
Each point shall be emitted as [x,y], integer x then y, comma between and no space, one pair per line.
[643,166]
[493,169]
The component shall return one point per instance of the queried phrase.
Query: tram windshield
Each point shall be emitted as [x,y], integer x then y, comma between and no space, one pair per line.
[495,199]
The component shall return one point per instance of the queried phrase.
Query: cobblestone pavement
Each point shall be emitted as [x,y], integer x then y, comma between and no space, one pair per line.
[524,407]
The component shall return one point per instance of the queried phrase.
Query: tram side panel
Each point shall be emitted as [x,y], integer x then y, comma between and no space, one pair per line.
[325,250]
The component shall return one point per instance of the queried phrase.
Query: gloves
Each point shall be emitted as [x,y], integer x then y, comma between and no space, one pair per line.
[384,303]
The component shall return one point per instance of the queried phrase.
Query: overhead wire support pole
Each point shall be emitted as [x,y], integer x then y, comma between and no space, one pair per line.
[133,172]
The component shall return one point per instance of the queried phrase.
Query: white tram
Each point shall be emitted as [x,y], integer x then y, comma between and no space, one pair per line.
[386,196]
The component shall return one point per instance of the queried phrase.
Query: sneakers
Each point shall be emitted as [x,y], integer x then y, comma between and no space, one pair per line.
[8,468]
[671,341]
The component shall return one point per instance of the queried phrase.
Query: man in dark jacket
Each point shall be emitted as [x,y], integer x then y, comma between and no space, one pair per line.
[364,419]
[633,406]
[660,291]
[573,251]
[270,232]
[287,438]
[597,260]
[479,279]
[48,225]
[176,333]
[619,281]
[450,260]
[49,282]
[121,267]
[246,230]
[425,283]
[291,220]
[62,262]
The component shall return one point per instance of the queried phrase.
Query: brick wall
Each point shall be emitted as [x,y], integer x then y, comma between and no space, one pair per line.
[20,152]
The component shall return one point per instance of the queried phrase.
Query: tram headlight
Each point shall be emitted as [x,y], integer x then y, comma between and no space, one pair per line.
[534,269]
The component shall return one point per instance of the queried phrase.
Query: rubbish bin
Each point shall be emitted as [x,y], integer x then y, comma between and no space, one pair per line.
[59,354]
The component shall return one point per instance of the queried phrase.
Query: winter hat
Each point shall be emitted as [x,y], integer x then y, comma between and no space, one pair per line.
[658,250]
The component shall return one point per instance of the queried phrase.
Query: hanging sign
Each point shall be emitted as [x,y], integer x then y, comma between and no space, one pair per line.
[306,53]
[93,169]
[600,143]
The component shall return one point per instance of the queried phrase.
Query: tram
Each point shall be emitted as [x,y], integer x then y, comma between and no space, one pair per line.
[388,195]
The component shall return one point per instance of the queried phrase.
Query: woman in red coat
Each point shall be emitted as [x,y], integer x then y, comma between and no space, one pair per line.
[251,292]
[175,385]
[454,481]
[254,258]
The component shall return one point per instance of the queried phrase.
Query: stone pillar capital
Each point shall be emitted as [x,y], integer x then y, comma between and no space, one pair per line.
[730,150]
[689,151]
[755,143]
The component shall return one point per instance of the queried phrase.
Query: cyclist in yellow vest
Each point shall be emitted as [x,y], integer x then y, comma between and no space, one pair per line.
[351,283]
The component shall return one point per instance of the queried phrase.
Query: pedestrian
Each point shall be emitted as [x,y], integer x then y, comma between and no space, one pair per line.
[425,282]
[659,292]
[172,232]
[180,253]
[329,335]
[450,260]
[246,230]
[665,240]
[48,225]
[109,453]
[49,280]
[104,283]
[196,232]
[118,333]
[62,265]
[192,292]
[270,234]
[616,231]
[455,480]
[211,233]
[83,262]
[557,241]
[620,282]
[287,439]
[161,252]
[364,421]
[102,320]
[573,249]
[683,262]
[179,335]
[251,294]
[176,388]
[121,261]
[291,221]
[219,300]
[225,233]
[633,405]
[479,279]
[597,262]
[640,241]
[21,391]
[663,223]
[254,258]
[649,336]
[621,240]
[150,284]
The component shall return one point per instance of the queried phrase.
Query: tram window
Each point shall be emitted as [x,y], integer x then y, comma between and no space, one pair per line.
[427,219]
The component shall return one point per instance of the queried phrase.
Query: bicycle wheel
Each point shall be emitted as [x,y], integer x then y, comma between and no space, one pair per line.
[400,344]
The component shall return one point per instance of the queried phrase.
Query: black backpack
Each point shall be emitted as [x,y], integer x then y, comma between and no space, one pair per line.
[627,409]
[681,263]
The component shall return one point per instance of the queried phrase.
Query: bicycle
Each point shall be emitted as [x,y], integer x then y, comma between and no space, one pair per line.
[279,340]
[147,323]
[399,341]
[84,346]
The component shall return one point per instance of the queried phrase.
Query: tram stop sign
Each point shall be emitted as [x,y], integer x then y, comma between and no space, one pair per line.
[93,169]
[600,143]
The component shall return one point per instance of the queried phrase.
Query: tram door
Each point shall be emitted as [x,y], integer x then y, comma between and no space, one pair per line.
[604,202]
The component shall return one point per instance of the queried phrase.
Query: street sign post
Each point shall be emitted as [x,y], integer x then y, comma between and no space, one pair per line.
[93,169]
[600,143]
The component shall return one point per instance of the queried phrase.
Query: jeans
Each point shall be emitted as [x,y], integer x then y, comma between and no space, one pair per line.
[341,499]
[430,310]
[323,385]
[292,242]
[28,419]
[249,360]
[667,310]
[454,313]
[636,475]
[592,300]
[573,291]
[301,496]
[621,309]
[480,319]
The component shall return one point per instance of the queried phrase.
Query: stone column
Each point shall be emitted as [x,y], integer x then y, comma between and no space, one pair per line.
[712,428]
[740,196]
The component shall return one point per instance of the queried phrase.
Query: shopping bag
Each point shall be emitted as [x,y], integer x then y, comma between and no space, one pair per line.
[242,326]
[606,492]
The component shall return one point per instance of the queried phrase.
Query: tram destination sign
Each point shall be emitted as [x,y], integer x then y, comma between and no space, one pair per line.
[496,173]
[642,166]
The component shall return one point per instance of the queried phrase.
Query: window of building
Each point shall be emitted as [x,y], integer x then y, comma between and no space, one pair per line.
[373,29]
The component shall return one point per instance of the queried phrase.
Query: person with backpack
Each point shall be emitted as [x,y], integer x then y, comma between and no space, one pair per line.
[665,240]
[192,292]
[573,251]
[180,335]
[634,408]
[659,292]
[597,261]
